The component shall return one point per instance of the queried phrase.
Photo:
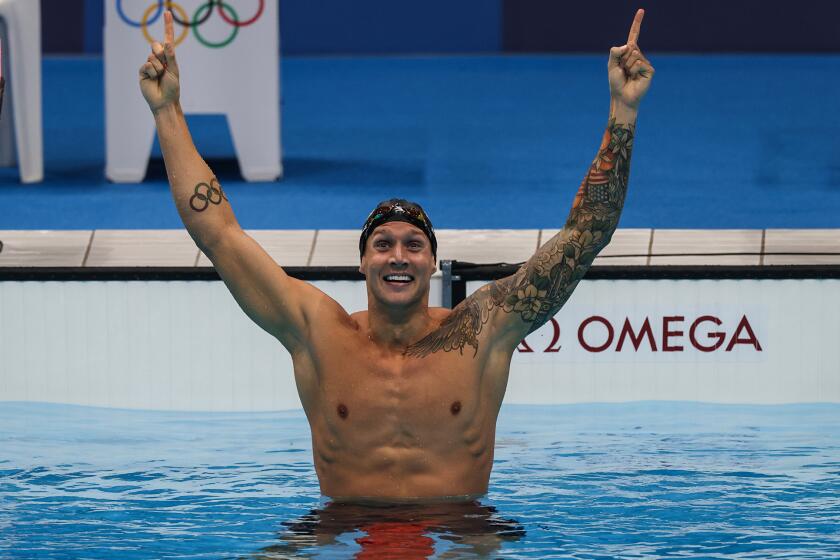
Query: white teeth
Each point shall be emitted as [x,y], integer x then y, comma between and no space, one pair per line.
[398,278]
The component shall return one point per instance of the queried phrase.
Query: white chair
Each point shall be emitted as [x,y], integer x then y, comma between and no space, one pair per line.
[225,69]
[21,135]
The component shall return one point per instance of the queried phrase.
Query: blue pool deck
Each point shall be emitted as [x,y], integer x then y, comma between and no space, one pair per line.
[484,142]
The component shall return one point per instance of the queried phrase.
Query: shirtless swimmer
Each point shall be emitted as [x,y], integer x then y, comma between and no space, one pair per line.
[402,399]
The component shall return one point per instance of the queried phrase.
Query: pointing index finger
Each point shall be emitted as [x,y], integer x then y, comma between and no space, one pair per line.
[169,32]
[633,37]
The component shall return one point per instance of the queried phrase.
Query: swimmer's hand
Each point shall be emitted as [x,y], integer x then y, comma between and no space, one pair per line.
[159,76]
[630,73]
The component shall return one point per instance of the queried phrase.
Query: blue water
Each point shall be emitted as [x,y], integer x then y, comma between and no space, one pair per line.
[583,481]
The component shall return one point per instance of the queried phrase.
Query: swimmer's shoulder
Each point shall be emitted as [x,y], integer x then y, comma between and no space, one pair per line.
[357,319]
[439,313]
[327,313]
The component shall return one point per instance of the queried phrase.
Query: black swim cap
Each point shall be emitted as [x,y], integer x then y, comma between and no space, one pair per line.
[398,210]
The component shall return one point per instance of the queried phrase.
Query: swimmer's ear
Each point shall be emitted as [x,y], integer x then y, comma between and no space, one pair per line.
[362,258]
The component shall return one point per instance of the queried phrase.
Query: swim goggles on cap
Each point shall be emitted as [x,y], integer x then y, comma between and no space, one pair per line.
[398,211]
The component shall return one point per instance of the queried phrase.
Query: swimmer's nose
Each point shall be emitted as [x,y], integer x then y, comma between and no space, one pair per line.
[397,256]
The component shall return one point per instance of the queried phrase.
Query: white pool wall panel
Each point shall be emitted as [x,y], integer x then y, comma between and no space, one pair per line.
[795,323]
[150,345]
[185,345]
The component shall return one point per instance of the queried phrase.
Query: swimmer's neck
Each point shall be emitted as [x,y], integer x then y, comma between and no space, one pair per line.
[396,328]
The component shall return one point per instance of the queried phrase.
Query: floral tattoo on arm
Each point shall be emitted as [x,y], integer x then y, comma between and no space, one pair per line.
[541,286]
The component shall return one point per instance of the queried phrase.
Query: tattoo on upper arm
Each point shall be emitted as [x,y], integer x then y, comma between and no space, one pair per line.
[206,194]
[461,327]
[538,290]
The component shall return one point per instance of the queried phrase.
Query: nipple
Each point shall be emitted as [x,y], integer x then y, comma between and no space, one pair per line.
[455,408]
[342,411]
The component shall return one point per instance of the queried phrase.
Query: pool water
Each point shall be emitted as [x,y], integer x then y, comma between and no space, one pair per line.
[633,480]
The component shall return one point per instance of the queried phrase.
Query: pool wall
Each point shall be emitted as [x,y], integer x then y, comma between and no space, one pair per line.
[185,345]
[169,345]
[721,341]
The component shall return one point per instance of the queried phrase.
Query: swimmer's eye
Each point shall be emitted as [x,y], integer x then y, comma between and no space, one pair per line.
[381,244]
[416,245]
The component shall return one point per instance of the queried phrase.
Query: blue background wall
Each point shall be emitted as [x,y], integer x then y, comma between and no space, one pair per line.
[725,140]
[674,25]
[487,26]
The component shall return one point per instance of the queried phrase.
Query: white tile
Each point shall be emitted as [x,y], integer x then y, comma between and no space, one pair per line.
[703,247]
[603,260]
[706,260]
[803,242]
[286,247]
[124,247]
[487,245]
[336,247]
[43,247]
[635,242]
[628,246]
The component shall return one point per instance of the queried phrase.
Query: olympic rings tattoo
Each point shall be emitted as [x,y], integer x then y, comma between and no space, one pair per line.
[200,17]
[207,194]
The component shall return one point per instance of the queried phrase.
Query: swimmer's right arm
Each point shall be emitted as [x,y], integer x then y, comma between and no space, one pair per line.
[271,298]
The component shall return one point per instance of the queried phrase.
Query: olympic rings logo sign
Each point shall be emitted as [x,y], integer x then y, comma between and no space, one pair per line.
[201,15]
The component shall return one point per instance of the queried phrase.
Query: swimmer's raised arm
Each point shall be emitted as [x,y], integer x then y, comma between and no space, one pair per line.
[275,301]
[519,304]
[544,283]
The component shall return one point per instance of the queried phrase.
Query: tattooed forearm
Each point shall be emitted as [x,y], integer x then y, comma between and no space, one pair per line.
[549,277]
[601,195]
[543,284]
[206,194]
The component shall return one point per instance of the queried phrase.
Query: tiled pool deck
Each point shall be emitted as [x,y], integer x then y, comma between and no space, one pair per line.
[635,247]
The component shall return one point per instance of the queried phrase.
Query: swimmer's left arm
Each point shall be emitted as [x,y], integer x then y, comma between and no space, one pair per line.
[518,305]
[545,282]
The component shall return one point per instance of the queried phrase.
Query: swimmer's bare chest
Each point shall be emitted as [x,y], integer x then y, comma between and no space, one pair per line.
[385,424]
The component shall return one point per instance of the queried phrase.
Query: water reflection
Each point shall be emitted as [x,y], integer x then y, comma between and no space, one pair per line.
[404,531]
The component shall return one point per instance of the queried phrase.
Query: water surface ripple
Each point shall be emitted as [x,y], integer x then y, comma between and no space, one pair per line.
[640,480]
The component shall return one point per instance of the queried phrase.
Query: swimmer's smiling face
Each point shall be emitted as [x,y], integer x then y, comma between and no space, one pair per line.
[398,264]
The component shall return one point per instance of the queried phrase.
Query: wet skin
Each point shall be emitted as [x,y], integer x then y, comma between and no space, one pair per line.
[385,424]
[388,425]
[402,398]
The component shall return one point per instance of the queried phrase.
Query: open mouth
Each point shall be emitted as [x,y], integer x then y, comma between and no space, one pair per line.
[399,278]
